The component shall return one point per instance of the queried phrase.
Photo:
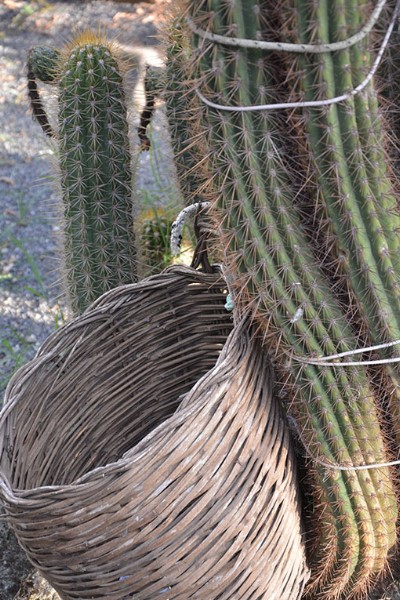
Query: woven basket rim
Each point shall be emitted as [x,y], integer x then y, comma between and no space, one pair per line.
[99,307]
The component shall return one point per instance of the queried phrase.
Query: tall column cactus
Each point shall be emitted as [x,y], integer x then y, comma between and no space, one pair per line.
[95,168]
[347,146]
[274,270]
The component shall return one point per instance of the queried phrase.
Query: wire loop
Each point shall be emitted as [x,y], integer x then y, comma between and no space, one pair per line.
[287,47]
[311,103]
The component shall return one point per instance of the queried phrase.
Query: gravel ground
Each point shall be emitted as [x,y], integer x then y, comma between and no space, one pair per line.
[31,297]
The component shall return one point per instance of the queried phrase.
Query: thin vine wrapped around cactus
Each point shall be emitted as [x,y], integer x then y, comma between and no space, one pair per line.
[276,271]
[95,166]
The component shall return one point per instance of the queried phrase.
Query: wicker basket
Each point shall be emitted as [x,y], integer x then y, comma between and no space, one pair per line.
[143,456]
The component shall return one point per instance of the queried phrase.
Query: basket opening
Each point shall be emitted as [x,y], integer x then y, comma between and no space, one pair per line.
[104,388]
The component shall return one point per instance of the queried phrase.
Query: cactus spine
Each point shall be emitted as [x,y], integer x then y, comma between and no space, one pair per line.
[275,271]
[95,165]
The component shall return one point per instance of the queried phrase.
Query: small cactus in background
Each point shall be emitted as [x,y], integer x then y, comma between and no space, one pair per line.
[95,167]
[96,173]
[155,231]
[42,62]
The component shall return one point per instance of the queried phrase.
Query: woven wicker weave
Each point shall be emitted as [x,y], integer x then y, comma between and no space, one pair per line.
[142,455]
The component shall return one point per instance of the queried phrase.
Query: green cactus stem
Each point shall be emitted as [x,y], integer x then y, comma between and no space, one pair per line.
[347,146]
[96,172]
[182,108]
[41,65]
[43,61]
[272,269]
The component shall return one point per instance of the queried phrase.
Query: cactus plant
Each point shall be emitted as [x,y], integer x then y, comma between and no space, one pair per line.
[273,269]
[155,230]
[357,195]
[95,168]
[182,108]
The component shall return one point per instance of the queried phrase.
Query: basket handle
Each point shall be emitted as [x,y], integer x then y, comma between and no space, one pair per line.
[200,256]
